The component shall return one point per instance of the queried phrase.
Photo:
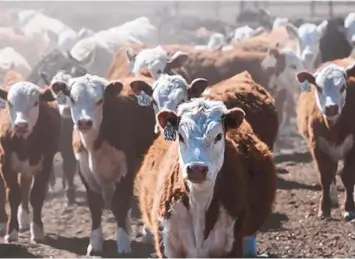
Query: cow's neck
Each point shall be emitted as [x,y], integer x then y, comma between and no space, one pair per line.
[200,200]
[89,138]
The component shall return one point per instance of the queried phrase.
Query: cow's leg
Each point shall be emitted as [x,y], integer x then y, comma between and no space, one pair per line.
[23,213]
[348,179]
[69,169]
[95,203]
[37,196]
[120,208]
[13,194]
[69,164]
[327,169]
[3,215]
[250,246]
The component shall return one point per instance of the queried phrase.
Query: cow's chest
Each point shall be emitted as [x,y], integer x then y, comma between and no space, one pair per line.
[105,165]
[183,233]
[336,151]
[24,166]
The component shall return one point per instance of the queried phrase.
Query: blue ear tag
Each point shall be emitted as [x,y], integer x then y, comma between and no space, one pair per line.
[169,132]
[144,99]
[306,86]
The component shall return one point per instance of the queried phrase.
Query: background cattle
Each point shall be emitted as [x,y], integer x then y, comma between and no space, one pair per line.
[47,35]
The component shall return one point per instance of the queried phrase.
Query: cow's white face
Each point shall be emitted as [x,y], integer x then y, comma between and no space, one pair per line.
[23,101]
[155,59]
[87,95]
[349,24]
[243,33]
[63,101]
[201,127]
[169,91]
[331,87]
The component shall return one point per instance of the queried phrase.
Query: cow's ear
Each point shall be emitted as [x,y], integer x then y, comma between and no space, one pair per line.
[47,95]
[233,118]
[60,87]
[168,121]
[113,88]
[139,85]
[305,75]
[3,94]
[197,87]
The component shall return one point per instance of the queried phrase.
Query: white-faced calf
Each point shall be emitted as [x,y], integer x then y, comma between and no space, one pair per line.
[325,120]
[108,144]
[29,136]
[202,193]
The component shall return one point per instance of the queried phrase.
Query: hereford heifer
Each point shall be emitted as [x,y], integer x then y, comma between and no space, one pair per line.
[109,146]
[325,120]
[168,91]
[203,193]
[29,140]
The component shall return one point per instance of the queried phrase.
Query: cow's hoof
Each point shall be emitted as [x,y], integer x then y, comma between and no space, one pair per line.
[96,243]
[123,242]
[349,215]
[12,237]
[37,234]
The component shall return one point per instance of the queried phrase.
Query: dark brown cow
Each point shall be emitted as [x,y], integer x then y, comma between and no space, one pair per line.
[325,119]
[203,193]
[111,134]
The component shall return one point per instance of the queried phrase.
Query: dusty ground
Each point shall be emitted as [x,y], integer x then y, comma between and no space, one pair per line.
[293,230]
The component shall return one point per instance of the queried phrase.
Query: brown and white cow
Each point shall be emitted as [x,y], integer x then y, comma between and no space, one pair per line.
[169,91]
[28,142]
[109,146]
[325,112]
[203,193]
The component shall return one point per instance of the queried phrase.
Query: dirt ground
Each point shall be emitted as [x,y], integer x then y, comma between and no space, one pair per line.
[293,229]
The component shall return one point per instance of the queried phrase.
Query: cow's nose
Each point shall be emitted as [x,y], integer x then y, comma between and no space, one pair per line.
[331,110]
[21,127]
[197,173]
[85,124]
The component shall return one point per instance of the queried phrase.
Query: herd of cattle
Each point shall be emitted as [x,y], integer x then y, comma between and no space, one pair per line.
[188,130]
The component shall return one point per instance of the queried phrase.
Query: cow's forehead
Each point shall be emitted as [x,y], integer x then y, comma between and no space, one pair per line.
[151,55]
[331,75]
[61,76]
[22,90]
[87,86]
[199,114]
[167,83]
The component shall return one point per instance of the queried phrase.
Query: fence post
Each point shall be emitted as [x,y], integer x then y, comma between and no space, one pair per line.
[313,5]
[330,5]
[217,8]
[177,8]
[241,6]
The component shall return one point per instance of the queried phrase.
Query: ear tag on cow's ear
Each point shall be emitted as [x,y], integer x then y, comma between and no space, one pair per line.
[144,99]
[306,86]
[169,132]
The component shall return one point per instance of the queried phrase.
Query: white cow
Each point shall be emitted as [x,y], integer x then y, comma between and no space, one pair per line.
[11,59]
[280,22]
[349,24]
[216,40]
[308,36]
[96,52]
[245,32]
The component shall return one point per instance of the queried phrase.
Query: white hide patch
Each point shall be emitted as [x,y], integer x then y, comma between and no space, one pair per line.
[24,167]
[338,152]
[181,236]
[37,233]
[103,167]
[23,218]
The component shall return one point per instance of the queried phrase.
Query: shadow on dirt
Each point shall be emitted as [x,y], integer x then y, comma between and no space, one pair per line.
[294,157]
[274,222]
[291,185]
[14,251]
[78,246]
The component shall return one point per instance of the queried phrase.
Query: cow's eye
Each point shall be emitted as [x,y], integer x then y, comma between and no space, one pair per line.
[10,104]
[218,138]
[181,139]
[319,89]
[342,89]
[35,104]
[100,102]
[293,67]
